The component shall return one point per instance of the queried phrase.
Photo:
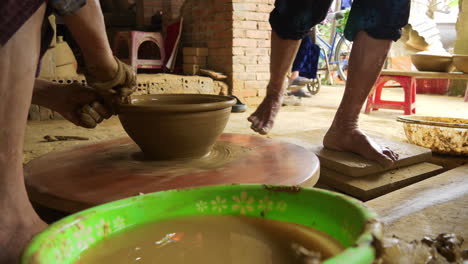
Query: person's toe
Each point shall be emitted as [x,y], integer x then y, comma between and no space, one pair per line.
[384,160]
[389,153]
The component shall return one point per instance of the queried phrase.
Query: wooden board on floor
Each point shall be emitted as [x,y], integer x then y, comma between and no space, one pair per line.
[430,207]
[354,165]
[372,186]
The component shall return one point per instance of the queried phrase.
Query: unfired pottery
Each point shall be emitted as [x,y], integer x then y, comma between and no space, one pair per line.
[175,126]
[461,62]
[433,63]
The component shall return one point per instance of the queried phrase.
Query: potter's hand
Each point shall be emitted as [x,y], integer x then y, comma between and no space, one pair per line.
[76,103]
[118,89]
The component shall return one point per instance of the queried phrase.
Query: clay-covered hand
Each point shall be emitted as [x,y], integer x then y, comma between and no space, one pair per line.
[116,90]
[78,104]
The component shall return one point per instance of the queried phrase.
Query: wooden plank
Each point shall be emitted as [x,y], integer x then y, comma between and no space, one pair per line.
[372,186]
[422,74]
[430,207]
[353,165]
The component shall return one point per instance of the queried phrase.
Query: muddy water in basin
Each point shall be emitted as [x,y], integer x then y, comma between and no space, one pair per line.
[214,240]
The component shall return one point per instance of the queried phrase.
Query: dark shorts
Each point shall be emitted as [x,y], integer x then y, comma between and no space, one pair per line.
[381,19]
[14,13]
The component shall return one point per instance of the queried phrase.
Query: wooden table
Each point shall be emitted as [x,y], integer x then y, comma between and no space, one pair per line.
[407,80]
[86,176]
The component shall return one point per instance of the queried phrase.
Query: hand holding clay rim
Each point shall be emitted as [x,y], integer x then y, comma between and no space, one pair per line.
[117,90]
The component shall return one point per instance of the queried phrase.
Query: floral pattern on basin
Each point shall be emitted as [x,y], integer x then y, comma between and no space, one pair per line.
[342,217]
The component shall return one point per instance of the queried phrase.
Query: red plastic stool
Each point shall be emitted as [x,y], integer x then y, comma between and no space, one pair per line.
[142,50]
[374,101]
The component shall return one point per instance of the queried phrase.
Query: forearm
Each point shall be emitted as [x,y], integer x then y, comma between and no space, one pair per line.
[41,92]
[88,29]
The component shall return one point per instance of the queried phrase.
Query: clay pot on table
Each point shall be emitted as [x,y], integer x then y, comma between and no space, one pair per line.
[461,62]
[175,126]
[434,63]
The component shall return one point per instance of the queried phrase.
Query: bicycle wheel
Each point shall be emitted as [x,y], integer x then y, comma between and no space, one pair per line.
[341,56]
[314,87]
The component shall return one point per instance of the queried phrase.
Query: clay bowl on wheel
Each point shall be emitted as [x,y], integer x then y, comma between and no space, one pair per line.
[175,126]
[461,62]
[343,218]
[433,63]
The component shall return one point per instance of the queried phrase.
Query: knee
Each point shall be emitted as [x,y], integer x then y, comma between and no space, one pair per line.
[293,19]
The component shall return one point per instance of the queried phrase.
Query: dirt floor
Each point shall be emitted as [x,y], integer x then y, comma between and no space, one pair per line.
[314,113]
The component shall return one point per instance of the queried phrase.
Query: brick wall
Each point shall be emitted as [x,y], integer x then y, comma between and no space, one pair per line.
[237,34]
[170,9]
[208,23]
[251,46]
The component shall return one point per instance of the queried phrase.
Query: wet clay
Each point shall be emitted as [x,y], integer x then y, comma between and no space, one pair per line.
[89,175]
[221,153]
[175,126]
[215,239]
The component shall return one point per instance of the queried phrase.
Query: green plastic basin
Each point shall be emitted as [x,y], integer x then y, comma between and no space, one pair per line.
[340,216]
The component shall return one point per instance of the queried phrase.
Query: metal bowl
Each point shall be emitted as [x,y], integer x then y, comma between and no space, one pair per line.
[461,62]
[434,63]
[443,135]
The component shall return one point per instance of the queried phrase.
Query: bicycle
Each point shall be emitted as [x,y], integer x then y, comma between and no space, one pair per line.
[334,55]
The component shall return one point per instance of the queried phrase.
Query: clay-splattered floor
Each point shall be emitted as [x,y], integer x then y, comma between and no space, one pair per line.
[315,113]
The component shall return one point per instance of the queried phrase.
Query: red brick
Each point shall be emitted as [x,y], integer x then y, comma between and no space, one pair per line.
[258,34]
[263,76]
[244,6]
[266,8]
[250,16]
[238,68]
[262,92]
[237,85]
[264,25]
[248,92]
[221,52]
[244,60]
[255,85]
[195,60]
[238,33]
[244,24]
[263,60]
[263,43]
[238,51]
[240,42]
[257,68]
[195,51]
[256,51]
[245,76]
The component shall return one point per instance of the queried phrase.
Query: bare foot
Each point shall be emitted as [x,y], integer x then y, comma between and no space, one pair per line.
[16,234]
[354,140]
[264,117]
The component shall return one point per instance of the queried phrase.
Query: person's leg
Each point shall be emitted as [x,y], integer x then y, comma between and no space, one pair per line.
[283,52]
[293,76]
[18,63]
[291,20]
[366,61]
[372,25]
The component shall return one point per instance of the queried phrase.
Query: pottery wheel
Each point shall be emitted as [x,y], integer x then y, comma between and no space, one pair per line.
[90,175]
